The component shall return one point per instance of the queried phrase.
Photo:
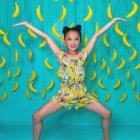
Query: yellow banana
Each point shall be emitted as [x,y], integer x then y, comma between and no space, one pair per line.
[2,32]
[89,15]
[64,12]
[133,55]
[93,93]
[138,26]
[31,33]
[105,41]
[50,85]
[114,56]
[96,28]
[94,57]
[137,66]
[4,97]
[134,85]
[128,74]
[42,44]
[8,73]
[55,32]
[118,31]
[109,13]
[47,64]
[30,54]
[72,25]
[21,40]
[121,65]
[5,39]
[100,83]
[93,76]
[125,41]
[107,97]
[86,40]
[108,70]
[123,98]
[103,64]
[133,11]
[28,94]
[17,72]
[3,62]
[117,84]
[33,77]
[71,0]
[16,86]
[17,10]
[44,93]
[138,97]
[16,55]
[39,15]
[32,88]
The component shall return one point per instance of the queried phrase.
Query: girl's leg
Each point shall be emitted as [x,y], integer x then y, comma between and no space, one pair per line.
[46,110]
[106,115]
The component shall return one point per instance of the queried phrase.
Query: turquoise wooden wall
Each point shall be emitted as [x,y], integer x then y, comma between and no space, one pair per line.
[118,51]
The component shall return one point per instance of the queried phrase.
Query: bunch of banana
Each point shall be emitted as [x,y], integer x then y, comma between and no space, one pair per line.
[42,44]
[31,33]
[121,65]
[109,13]
[133,11]
[28,94]
[94,57]
[93,76]
[108,71]
[118,31]
[107,97]
[32,88]
[134,85]
[55,32]
[47,64]
[117,84]
[39,15]
[133,55]
[30,54]
[3,62]
[8,73]
[89,15]
[106,43]
[85,40]
[33,77]
[137,66]
[103,64]
[4,97]
[128,74]
[5,39]
[64,12]
[17,72]
[100,84]
[114,55]
[138,97]
[96,28]
[93,93]
[44,93]
[138,26]
[123,97]
[16,86]
[21,40]
[2,32]
[16,55]
[17,10]
[50,85]
[125,41]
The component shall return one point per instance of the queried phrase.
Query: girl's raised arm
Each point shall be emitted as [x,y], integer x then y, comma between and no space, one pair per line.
[50,42]
[93,40]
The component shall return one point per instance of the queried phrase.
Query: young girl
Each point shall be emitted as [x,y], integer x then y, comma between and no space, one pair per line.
[72,91]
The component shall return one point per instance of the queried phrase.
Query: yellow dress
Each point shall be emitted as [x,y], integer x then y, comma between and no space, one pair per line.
[72,91]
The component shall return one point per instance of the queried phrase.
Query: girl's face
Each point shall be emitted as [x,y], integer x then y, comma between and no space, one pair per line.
[72,40]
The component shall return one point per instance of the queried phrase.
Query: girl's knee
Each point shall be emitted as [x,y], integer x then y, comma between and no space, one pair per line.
[36,117]
[108,115]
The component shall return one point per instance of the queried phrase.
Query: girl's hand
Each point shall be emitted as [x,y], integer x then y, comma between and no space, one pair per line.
[21,23]
[116,19]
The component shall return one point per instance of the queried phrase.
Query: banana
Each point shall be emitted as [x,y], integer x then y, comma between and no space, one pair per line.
[32,88]
[108,70]
[94,57]
[39,15]
[89,15]
[17,72]
[100,84]
[138,26]
[103,64]
[16,55]
[15,87]
[118,31]
[114,56]
[109,13]
[64,12]
[3,62]
[72,25]
[5,39]
[50,85]
[33,77]
[30,54]
[55,32]
[21,40]
[107,97]
[2,32]
[47,64]
[8,73]
[93,76]
[134,85]
[125,41]
[123,98]
[93,93]
[96,28]
[28,94]
[42,44]
[31,33]
[105,41]
[137,66]
[17,10]
[133,11]
[138,97]
[121,65]
[86,40]
[4,96]
[128,74]
[44,93]
[71,0]
[133,55]
[117,84]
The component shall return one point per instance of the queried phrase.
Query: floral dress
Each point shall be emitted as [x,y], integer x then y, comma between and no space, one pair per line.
[72,91]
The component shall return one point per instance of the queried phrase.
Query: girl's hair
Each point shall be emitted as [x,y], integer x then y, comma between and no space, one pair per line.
[77,28]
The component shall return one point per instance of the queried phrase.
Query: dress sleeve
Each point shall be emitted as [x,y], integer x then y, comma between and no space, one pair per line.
[61,56]
[83,54]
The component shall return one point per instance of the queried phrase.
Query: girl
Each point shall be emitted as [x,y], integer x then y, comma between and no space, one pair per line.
[72,91]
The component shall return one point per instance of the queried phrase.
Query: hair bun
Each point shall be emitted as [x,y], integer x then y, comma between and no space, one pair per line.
[65,29]
[78,28]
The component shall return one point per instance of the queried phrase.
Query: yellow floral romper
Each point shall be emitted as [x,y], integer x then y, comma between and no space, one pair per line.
[72,91]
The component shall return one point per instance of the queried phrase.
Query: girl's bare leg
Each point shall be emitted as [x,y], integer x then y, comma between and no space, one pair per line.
[46,110]
[106,115]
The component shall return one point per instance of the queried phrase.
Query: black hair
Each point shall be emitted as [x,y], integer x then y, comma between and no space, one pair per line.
[77,28]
